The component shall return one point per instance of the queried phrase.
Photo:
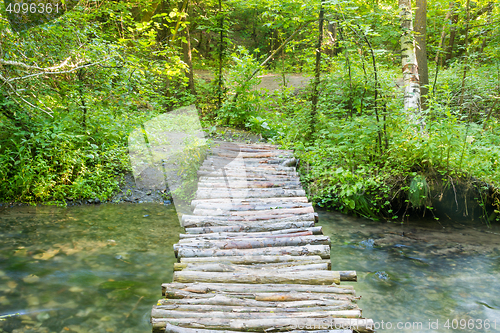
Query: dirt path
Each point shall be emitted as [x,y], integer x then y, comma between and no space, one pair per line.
[269,81]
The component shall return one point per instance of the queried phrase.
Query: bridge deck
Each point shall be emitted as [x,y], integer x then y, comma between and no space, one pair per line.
[252,258]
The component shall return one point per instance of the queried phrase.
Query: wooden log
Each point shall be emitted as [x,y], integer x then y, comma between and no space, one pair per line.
[223,267]
[255,227]
[203,288]
[176,329]
[244,309]
[348,276]
[248,173]
[259,325]
[308,250]
[249,193]
[253,184]
[249,206]
[225,160]
[267,212]
[261,145]
[299,277]
[244,169]
[251,155]
[252,163]
[163,313]
[226,266]
[218,299]
[248,178]
[194,265]
[266,297]
[226,235]
[251,260]
[247,150]
[251,201]
[253,243]
[218,160]
[236,235]
[190,221]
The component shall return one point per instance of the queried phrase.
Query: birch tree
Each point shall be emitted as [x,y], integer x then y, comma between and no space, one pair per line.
[410,66]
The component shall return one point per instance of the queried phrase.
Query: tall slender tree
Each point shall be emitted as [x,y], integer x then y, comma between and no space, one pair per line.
[317,71]
[421,49]
[410,65]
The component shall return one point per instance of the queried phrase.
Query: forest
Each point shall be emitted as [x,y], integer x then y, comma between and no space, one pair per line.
[400,115]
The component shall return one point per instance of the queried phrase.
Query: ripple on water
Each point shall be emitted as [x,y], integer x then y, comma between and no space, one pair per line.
[84,269]
[418,279]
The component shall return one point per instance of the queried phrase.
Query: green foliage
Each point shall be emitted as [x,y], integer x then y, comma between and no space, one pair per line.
[65,135]
[418,191]
[237,110]
[347,167]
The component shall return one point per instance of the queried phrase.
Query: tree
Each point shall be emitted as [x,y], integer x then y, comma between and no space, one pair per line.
[410,66]
[317,71]
[421,49]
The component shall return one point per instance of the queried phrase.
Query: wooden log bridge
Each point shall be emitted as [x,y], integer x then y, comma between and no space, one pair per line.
[251,258]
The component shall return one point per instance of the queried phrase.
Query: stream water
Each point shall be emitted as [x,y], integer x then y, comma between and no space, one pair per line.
[99,269]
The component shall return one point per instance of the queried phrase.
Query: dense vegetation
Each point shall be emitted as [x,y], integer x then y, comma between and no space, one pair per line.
[72,90]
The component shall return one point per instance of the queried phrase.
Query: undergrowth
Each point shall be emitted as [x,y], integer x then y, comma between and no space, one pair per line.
[365,157]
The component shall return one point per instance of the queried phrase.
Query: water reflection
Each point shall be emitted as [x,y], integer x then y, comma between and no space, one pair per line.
[84,269]
[428,279]
[99,269]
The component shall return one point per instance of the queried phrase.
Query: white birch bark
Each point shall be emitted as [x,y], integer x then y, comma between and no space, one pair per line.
[410,65]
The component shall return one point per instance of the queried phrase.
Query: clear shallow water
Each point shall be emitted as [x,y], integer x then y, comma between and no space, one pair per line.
[84,269]
[99,269]
[427,282]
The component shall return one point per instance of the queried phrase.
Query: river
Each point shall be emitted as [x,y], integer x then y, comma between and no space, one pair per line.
[99,269]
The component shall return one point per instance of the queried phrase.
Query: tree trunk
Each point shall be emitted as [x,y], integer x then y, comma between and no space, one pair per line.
[410,66]
[317,71]
[221,57]
[453,32]
[186,51]
[421,50]
[464,76]
[439,59]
